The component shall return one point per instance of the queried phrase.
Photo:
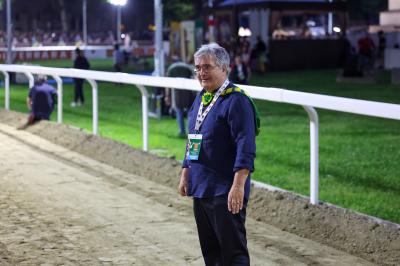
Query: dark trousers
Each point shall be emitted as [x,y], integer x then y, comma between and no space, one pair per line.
[118,67]
[79,91]
[222,234]
[180,118]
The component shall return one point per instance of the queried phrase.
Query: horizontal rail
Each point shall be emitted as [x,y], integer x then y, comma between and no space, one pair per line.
[58,48]
[341,104]
[90,76]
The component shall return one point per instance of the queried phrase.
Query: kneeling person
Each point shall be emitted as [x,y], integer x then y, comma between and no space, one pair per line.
[41,100]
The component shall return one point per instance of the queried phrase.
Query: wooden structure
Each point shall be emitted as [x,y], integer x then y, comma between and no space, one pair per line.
[282,24]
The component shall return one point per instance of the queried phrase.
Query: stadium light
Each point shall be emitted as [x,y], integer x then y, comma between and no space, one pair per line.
[119,4]
[159,66]
[84,21]
[9,33]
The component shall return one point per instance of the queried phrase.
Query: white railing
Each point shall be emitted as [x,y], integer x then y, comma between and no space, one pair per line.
[58,48]
[30,54]
[67,52]
[307,100]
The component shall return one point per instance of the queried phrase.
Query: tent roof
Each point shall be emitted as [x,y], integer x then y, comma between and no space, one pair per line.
[240,2]
[312,4]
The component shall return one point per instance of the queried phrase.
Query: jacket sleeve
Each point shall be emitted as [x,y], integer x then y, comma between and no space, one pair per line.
[242,128]
[185,163]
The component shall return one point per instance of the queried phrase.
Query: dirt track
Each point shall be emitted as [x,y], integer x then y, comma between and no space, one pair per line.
[58,207]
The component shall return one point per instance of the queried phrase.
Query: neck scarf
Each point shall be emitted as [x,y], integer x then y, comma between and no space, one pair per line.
[207,98]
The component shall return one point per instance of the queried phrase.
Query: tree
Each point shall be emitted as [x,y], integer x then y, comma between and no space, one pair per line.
[63,15]
[366,10]
[178,10]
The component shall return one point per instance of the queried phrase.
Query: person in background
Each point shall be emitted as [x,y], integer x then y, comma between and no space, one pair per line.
[180,100]
[381,49]
[261,52]
[80,62]
[127,50]
[245,50]
[219,158]
[118,58]
[240,72]
[40,101]
[305,33]
[366,49]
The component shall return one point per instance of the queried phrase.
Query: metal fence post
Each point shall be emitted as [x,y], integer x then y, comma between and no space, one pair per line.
[93,83]
[145,117]
[313,116]
[31,79]
[7,90]
[59,98]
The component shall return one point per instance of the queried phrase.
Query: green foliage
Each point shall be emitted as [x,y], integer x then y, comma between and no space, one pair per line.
[366,10]
[178,10]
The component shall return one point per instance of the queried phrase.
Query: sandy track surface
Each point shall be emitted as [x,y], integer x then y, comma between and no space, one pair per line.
[58,207]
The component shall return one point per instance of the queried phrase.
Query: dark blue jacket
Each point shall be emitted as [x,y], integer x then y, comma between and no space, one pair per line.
[43,98]
[228,145]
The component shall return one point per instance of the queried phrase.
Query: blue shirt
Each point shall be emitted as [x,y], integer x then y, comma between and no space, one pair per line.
[42,96]
[228,145]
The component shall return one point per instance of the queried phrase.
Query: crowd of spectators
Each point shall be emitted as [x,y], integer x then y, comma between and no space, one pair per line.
[43,38]
[57,38]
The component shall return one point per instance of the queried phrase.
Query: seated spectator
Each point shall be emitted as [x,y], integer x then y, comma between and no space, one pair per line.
[240,72]
[61,41]
[41,100]
[245,50]
[261,53]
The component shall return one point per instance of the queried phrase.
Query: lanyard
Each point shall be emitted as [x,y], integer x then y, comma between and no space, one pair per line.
[202,115]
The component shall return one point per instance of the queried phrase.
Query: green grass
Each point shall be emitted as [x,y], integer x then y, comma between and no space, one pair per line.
[359,155]
[100,64]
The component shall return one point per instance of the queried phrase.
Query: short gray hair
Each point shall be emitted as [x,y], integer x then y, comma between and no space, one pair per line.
[40,79]
[219,53]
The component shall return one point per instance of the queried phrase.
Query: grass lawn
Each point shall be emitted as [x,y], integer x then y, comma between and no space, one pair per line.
[359,155]
[100,64]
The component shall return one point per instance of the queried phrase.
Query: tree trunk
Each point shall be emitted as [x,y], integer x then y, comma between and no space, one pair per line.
[63,16]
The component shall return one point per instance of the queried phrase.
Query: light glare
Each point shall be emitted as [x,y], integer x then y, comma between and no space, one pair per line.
[337,29]
[244,32]
[118,2]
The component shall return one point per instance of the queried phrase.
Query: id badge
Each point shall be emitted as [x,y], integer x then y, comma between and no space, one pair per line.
[194,142]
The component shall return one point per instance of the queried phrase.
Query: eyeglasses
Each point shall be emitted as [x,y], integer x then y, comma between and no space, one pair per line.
[205,68]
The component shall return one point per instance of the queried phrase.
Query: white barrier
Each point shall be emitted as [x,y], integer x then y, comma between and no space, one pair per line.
[307,100]
[57,52]
[58,48]
[67,52]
